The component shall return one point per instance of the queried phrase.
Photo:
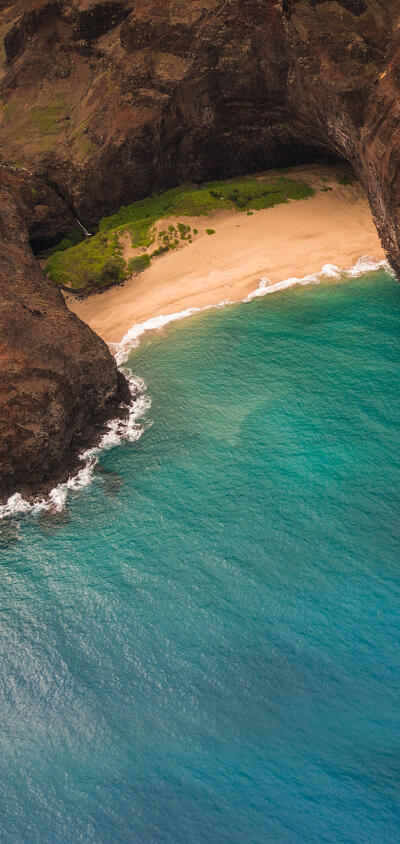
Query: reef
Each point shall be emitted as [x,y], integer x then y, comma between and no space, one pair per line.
[104,102]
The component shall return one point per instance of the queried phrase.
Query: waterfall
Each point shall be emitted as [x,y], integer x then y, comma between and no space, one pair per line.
[84,229]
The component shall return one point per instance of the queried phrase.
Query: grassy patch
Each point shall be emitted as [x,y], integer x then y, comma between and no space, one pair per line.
[95,263]
[98,262]
[139,264]
[41,124]
[197,201]
[73,239]
[141,233]
[45,119]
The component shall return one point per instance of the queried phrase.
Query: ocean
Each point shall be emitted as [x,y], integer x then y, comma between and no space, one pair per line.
[203,645]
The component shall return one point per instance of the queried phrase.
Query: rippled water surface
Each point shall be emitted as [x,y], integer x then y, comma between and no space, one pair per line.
[205,645]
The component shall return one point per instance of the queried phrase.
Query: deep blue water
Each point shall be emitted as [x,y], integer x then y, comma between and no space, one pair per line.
[205,646]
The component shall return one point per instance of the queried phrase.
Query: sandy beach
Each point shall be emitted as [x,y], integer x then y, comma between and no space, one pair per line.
[294,239]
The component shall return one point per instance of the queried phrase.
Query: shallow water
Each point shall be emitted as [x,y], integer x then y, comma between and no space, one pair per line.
[205,645]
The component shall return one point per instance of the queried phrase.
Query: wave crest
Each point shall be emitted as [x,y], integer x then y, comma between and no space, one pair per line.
[361,267]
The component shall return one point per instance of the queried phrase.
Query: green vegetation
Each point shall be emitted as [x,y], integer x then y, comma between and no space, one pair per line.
[98,261]
[345,180]
[161,250]
[73,239]
[45,119]
[195,201]
[138,264]
[184,231]
[141,233]
[41,124]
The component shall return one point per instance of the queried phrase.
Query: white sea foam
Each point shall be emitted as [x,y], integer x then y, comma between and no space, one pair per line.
[362,266]
[129,428]
[132,337]
[367,265]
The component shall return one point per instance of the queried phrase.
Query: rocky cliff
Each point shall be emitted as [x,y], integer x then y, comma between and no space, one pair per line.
[105,101]
[58,382]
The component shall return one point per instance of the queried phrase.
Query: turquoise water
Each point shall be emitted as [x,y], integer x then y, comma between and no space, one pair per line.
[205,646]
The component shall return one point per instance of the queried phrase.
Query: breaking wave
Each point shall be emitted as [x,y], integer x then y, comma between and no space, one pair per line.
[117,430]
[361,267]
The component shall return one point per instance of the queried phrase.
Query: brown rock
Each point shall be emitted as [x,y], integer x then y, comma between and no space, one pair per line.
[58,382]
[160,92]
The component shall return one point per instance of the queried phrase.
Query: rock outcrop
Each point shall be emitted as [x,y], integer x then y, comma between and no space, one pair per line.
[105,101]
[58,382]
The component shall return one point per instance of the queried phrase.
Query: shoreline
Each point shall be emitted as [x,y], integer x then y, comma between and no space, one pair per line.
[295,239]
[300,242]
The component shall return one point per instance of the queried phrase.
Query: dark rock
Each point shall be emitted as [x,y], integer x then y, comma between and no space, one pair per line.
[58,382]
[99,18]
[160,93]
[41,13]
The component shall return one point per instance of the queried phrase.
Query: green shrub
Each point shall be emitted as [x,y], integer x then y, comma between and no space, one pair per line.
[183,231]
[159,251]
[141,234]
[87,264]
[81,267]
[112,271]
[139,264]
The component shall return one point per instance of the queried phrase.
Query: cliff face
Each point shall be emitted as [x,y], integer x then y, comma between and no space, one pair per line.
[57,379]
[110,99]
[105,101]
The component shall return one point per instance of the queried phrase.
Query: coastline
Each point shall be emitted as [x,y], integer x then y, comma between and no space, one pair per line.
[300,242]
[295,239]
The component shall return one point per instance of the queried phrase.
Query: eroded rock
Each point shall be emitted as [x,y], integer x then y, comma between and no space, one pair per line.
[152,93]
